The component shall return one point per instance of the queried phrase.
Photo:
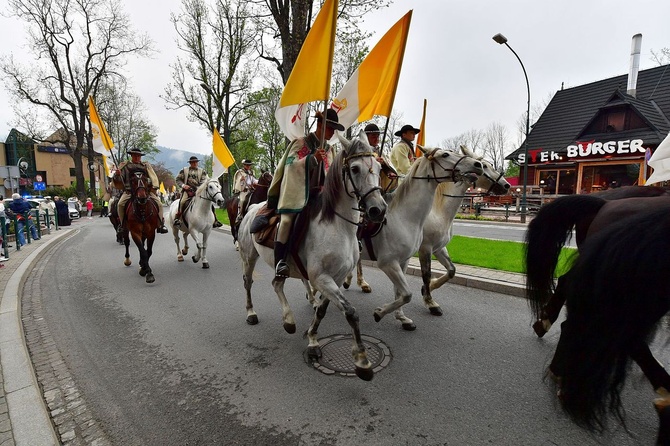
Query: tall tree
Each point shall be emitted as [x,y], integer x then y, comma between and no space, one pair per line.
[76,45]
[211,77]
[495,145]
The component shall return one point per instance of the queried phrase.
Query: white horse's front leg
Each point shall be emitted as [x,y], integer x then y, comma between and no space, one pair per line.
[442,256]
[402,296]
[198,245]
[185,249]
[311,292]
[175,235]
[205,262]
[360,279]
[287,313]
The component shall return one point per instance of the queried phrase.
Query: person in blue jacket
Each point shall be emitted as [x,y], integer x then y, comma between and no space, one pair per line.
[22,210]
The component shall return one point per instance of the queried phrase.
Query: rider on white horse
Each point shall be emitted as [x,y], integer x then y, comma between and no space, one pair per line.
[289,190]
[402,154]
[389,176]
[189,179]
[243,184]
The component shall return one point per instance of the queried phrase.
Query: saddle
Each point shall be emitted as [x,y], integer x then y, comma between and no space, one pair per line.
[264,228]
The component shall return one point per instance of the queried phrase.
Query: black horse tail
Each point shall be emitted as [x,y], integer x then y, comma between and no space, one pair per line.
[618,290]
[546,235]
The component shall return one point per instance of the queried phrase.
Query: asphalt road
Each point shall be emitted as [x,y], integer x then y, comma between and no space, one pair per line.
[495,230]
[174,363]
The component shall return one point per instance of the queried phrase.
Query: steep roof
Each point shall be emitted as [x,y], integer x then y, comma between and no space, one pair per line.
[571,110]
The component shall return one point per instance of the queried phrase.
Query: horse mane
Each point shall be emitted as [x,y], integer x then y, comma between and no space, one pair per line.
[405,186]
[332,188]
[442,193]
[203,186]
[618,291]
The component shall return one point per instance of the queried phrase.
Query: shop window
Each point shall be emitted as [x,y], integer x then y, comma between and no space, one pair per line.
[558,181]
[609,176]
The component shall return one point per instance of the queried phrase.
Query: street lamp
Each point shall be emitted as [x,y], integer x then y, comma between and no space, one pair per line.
[499,38]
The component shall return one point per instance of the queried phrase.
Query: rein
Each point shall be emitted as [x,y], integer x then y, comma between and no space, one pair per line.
[346,174]
[454,171]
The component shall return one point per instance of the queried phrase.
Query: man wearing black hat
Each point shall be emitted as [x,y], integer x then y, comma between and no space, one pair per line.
[402,154]
[188,180]
[124,174]
[243,184]
[389,176]
[289,191]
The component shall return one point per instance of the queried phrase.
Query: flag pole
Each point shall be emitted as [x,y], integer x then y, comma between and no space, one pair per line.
[386,126]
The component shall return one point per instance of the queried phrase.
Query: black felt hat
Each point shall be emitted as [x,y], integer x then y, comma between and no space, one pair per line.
[372,128]
[406,128]
[332,120]
[136,151]
[193,158]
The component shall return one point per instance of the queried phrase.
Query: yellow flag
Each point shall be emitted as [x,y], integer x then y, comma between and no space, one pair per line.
[105,162]
[310,77]
[421,137]
[222,158]
[162,188]
[102,143]
[371,89]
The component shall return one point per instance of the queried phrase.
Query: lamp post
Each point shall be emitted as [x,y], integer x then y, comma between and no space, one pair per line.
[499,38]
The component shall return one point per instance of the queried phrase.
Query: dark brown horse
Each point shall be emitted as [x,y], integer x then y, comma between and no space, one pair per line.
[142,220]
[617,291]
[259,195]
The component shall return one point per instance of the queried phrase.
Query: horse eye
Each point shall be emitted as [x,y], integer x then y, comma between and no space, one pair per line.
[445,155]
[355,169]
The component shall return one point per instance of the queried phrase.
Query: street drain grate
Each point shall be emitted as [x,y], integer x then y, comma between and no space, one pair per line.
[336,356]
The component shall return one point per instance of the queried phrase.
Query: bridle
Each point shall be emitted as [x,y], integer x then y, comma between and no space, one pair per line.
[209,196]
[455,173]
[360,198]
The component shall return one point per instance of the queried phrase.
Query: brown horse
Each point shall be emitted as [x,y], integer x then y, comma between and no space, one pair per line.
[258,195]
[142,220]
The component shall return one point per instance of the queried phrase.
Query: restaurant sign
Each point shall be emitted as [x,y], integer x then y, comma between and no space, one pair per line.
[587,149]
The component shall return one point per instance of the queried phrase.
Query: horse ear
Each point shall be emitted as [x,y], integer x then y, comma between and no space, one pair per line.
[346,144]
[363,137]
[467,152]
[423,150]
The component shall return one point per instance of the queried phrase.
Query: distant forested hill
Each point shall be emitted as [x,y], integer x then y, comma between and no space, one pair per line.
[175,159]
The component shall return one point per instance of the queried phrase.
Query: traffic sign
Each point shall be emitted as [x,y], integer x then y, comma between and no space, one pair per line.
[12,183]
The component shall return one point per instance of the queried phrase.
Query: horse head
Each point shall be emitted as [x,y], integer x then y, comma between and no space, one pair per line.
[446,165]
[360,171]
[138,187]
[492,181]
[211,190]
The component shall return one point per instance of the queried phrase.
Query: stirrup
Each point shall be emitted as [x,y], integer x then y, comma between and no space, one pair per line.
[162,229]
[282,270]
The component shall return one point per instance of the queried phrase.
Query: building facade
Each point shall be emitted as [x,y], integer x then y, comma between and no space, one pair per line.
[599,135]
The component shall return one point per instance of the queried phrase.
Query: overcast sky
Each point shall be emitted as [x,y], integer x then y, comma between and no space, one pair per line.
[451,60]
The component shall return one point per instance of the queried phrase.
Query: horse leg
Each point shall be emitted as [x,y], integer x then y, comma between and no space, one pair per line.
[287,313]
[311,292]
[360,280]
[426,273]
[652,369]
[347,281]
[249,264]
[184,251]
[198,246]
[149,251]
[175,234]
[662,406]
[552,308]
[402,296]
[205,262]
[331,292]
[442,256]
[126,243]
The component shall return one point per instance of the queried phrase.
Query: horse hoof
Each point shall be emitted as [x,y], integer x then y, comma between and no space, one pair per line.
[150,278]
[290,328]
[252,320]
[143,272]
[538,327]
[180,258]
[345,285]
[377,316]
[127,262]
[194,259]
[205,265]
[409,326]
[365,374]
[314,353]
[367,289]
[436,311]
[184,251]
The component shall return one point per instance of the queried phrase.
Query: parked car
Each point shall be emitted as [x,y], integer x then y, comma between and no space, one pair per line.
[73,208]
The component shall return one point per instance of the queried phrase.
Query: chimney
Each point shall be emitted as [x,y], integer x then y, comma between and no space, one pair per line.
[635,50]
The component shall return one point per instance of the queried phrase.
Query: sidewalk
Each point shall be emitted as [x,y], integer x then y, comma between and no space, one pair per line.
[24,418]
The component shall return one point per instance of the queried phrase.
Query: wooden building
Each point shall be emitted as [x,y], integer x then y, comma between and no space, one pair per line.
[599,135]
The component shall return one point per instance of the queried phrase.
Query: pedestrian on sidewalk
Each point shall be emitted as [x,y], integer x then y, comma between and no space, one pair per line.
[89,208]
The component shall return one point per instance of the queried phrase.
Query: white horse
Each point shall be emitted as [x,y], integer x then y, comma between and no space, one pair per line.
[401,235]
[329,250]
[197,220]
[437,231]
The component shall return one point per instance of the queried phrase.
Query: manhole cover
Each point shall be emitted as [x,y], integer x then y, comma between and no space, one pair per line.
[336,356]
